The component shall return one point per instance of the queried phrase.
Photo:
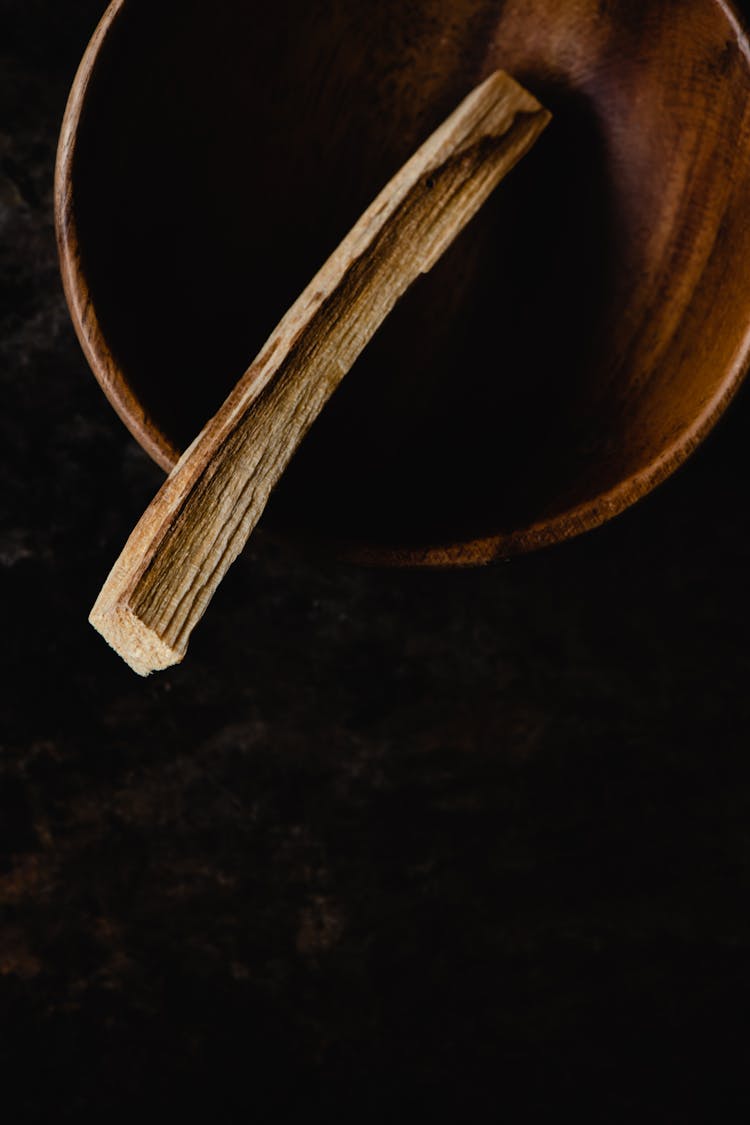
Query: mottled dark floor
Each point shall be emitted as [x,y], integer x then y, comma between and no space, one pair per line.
[387,842]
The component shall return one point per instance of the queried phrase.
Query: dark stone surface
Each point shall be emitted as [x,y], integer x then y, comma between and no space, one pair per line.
[387,842]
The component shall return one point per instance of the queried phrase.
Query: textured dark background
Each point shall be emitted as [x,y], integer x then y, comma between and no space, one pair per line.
[387,842]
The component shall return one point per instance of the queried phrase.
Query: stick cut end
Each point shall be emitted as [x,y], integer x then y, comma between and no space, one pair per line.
[140,647]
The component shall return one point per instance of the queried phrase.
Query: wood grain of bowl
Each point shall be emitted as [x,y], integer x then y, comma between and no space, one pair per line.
[566,355]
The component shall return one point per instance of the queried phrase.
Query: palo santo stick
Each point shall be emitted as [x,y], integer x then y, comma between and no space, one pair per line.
[202,516]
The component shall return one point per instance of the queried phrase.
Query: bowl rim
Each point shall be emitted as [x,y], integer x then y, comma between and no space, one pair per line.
[580,517]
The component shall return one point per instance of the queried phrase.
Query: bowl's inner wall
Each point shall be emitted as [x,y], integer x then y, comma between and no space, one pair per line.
[225,149]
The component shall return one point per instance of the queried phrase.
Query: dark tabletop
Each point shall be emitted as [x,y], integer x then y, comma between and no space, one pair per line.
[387,842]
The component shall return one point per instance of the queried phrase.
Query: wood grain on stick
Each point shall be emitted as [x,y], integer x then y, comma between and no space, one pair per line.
[202,516]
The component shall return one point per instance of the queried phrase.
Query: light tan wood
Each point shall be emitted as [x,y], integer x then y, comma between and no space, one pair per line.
[202,516]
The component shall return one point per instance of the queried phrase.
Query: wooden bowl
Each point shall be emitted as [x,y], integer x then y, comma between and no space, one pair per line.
[568,352]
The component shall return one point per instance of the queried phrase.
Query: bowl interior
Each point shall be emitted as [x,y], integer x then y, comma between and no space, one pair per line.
[568,350]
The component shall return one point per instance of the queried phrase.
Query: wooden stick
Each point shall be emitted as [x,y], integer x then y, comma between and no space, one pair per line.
[202,516]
